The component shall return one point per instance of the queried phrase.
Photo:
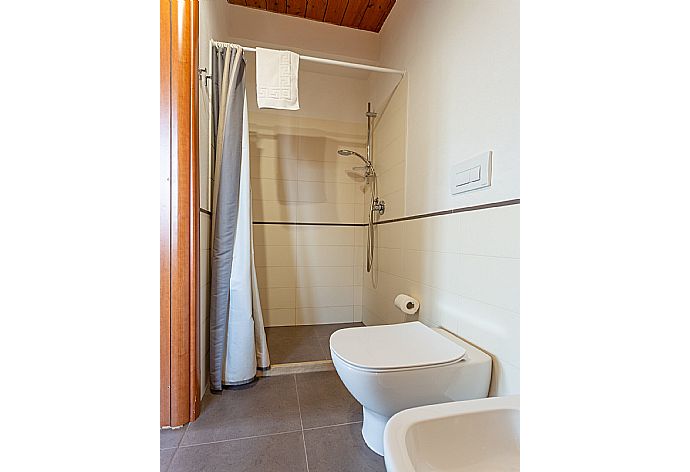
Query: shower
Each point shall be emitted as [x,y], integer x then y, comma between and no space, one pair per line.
[376,205]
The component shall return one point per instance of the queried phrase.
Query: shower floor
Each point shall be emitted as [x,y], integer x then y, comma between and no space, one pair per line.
[289,344]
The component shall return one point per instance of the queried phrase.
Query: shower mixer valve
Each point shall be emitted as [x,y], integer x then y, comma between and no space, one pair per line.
[378,205]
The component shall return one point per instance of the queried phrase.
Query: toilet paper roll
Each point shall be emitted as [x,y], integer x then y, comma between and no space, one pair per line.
[407,304]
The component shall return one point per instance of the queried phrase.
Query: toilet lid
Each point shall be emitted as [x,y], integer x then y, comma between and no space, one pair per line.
[394,346]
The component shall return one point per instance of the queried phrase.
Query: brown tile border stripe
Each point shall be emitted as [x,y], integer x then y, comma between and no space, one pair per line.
[295,223]
[395,220]
[454,210]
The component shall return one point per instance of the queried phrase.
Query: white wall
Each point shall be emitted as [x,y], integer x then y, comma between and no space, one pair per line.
[462,61]
[460,97]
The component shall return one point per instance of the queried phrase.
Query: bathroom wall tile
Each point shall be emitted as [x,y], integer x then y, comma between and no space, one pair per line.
[391,235]
[204,266]
[273,168]
[491,232]
[274,211]
[314,171]
[312,297]
[326,212]
[327,192]
[274,256]
[357,295]
[324,276]
[358,272]
[505,379]
[325,235]
[274,235]
[323,256]
[392,154]
[357,315]
[444,270]
[272,298]
[205,231]
[417,266]
[314,148]
[279,317]
[285,146]
[496,330]
[395,204]
[390,260]
[274,190]
[492,280]
[276,277]
[437,233]
[322,315]
[393,179]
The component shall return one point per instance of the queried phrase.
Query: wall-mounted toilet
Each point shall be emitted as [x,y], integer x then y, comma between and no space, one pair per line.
[394,367]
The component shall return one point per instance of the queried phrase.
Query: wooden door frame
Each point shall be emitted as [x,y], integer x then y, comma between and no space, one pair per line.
[179,225]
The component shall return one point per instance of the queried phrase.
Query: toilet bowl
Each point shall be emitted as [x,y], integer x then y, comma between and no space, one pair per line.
[391,368]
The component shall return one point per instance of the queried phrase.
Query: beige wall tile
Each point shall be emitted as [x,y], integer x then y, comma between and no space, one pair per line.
[276,277]
[326,212]
[274,235]
[327,192]
[274,190]
[312,297]
[492,280]
[324,276]
[324,315]
[324,256]
[273,168]
[272,298]
[274,211]
[279,317]
[274,256]
[491,232]
[325,235]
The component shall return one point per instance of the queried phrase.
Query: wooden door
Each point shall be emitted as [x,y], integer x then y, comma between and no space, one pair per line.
[179,194]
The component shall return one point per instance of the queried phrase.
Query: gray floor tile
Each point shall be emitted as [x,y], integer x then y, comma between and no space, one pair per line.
[324,342]
[341,449]
[166,458]
[170,438]
[302,349]
[277,453]
[266,406]
[280,332]
[325,401]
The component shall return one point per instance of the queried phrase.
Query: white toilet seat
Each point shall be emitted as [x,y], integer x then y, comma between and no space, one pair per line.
[395,369]
[396,347]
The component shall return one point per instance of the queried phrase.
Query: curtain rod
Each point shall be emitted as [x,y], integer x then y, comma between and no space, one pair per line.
[333,62]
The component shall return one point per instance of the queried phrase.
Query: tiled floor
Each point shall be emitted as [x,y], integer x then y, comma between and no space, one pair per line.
[304,422]
[301,343]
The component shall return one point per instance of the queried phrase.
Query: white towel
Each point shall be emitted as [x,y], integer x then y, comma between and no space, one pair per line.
[276,79]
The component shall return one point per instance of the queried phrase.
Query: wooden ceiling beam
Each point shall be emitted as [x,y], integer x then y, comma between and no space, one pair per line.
[296,7]
[368,15]
[316,9]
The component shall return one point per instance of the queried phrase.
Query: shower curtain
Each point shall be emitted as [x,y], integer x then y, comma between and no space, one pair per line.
[238,341]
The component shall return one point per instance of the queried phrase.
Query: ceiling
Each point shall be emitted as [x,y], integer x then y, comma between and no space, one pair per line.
[366,15]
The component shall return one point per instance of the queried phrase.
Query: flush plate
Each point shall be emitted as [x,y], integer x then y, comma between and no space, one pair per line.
[471,174]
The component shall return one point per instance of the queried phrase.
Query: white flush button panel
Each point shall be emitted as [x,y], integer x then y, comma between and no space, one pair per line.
[471,174]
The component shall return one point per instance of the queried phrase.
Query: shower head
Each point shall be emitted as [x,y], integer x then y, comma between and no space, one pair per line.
[347,152]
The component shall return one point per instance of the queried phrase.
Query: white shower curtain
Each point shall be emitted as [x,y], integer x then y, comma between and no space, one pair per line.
[238,342]
[246,328]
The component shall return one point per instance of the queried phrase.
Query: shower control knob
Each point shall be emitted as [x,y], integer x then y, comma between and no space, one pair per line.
[379,205]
